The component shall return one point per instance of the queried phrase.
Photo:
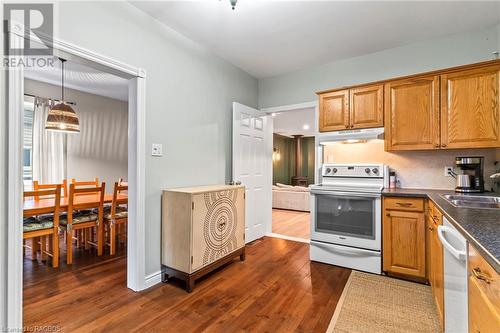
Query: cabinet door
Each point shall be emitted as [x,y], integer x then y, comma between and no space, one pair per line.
[437,270]
[484,294]
[404,243]
[469,109]
[367,106]
[204,242]
[412,114]
[218,225]
[334,111]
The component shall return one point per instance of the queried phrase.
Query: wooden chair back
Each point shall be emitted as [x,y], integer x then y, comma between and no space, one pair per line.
[78,204]
[85,183]
[116,197]
[54,194]
[64,186]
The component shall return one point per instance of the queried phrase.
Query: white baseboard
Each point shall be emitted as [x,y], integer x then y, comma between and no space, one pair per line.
[295,239]
[152,279]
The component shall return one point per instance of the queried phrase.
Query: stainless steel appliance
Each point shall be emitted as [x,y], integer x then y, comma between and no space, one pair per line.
[346,215]
[470,179]
[455,278]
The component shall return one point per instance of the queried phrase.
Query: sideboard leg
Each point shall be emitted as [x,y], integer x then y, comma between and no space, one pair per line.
[189,284]
[242,255]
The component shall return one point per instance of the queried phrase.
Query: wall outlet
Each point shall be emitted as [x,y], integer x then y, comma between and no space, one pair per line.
[447,171]
[156,149]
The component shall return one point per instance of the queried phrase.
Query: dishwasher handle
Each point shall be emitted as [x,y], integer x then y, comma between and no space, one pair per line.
[441,230]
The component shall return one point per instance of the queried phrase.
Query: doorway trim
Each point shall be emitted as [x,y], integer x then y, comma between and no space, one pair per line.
[16,35]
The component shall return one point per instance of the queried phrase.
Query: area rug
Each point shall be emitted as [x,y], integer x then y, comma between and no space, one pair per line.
[374,303]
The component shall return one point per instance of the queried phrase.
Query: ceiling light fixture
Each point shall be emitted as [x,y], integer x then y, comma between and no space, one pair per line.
[61,117]
[233,3]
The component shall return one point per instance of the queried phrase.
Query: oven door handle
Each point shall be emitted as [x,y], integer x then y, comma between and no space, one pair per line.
[355,252]
[334,193]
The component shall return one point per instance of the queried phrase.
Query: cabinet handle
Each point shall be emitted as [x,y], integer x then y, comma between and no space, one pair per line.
[443,145]
[431,228]
[346,126]
[436,145]
[480,275]
[404,204]
[388,214]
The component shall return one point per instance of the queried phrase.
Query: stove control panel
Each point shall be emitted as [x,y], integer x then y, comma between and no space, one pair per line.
[354,170]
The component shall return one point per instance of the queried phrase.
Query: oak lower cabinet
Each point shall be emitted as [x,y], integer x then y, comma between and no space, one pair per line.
[355,108]
[404,238]
[202,229]
[412,114]
[483,295]
[436,260]
[470,115]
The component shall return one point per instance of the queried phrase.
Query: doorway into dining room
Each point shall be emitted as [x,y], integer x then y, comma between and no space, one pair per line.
[75,169]
[136,278]
[75,124]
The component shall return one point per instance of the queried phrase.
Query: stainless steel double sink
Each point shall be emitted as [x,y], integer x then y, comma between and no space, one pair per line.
[472,201]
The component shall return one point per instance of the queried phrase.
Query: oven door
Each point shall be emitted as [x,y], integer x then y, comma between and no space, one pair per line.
[346,218]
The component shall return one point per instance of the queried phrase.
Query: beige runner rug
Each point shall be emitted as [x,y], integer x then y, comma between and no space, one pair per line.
[374,303]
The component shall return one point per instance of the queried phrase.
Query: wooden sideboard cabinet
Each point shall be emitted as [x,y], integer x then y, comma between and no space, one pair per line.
[202,229]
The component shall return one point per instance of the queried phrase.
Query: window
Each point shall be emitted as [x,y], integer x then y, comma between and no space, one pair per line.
[29,107]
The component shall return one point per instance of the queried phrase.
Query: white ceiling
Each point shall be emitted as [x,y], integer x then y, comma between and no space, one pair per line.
[82,78]
[292,122]
[271,37]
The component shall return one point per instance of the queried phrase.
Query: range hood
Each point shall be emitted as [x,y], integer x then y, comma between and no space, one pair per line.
[351,135]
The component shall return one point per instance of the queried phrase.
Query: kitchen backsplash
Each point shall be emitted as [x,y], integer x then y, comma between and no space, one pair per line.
[415,169]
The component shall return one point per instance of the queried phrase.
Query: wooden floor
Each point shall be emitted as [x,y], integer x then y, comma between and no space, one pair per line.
[291,223]
[277,289]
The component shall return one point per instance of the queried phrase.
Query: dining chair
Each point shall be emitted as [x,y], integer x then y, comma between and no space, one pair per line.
[80,236]
[116,216]
[45,228]
[64,186]
[84,215]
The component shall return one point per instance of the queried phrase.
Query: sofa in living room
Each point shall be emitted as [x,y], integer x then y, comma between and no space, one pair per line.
[291,197]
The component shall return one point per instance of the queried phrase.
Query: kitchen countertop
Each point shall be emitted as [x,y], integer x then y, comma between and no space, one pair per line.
[481,227]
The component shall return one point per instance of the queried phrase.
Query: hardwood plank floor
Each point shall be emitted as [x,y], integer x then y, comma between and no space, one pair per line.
[292,223]
[277,289]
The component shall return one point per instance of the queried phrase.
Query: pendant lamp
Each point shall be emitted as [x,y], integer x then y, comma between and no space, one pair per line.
[62,117]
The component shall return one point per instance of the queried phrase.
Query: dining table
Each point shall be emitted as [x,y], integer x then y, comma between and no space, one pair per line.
[33,207]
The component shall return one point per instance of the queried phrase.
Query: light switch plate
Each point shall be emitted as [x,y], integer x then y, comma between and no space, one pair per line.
[156,149]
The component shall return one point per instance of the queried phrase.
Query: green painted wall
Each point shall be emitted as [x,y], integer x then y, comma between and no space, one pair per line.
[284,168]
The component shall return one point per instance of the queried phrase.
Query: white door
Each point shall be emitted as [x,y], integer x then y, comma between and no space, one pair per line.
[252,166]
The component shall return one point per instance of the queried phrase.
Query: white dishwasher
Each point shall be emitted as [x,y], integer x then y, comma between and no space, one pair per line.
[455,278]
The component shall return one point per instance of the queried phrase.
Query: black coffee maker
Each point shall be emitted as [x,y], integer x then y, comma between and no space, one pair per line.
[471,179]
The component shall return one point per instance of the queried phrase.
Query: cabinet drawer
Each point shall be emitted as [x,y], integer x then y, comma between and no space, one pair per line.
[486,278]
[405,204]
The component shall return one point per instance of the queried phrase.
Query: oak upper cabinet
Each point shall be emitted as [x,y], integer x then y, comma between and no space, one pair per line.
[484,295]
[334,111]
[366,106]
[404,237]
[360,107]
[436,265]
[469,108]
[412,114]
